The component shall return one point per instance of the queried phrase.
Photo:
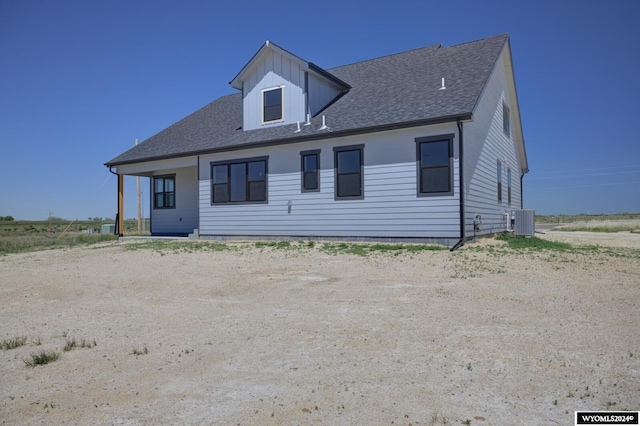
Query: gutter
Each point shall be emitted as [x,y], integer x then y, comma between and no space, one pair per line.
[460,242]
[305,138]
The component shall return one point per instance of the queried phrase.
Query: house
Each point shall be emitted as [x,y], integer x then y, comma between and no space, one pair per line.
[421,145]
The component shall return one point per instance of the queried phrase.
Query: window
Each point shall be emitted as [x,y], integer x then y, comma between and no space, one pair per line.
[499,182]
[272,105]
[506,123]
[243,181]
[435,165]
[164,192]
[509,185]
[348,172]
[310,170]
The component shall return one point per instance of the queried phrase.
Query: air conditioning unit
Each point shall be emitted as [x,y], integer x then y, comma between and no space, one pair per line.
[525,222]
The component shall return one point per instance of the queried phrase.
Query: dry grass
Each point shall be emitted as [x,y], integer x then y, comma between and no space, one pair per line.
[628,225]
[25,236]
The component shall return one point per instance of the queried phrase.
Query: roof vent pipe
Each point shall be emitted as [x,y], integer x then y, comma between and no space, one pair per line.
[308,123]
[443,86]
[298,129]
[324,125]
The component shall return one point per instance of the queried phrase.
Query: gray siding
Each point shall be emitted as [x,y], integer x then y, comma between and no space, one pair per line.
[390,207]
[274,71]
[485,144]
[321,92]
[183,219]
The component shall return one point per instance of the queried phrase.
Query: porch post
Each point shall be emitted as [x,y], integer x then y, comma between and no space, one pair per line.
[120,205]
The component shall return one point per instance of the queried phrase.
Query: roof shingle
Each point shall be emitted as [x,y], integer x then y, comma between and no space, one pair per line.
[391,91]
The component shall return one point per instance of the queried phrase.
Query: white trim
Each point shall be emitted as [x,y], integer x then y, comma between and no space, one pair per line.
[281,87]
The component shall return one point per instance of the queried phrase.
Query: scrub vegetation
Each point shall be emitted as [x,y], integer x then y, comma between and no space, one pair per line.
[41,358]
[19,236]
[13,343]
[358,249]
[623,222]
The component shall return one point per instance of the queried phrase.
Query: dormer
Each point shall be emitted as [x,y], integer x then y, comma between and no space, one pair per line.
[281,88]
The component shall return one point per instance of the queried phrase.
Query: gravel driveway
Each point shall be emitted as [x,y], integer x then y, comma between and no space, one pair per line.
[304,336]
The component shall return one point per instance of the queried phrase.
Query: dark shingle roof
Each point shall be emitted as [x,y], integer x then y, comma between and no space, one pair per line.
[392,91]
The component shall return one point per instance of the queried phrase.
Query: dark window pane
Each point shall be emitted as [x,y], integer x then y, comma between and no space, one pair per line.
[220,174]
[257,191]
[272,105]
[159,185]
[220,193]
[310,180]
[349,161]
[239,182]
[272,113]
[273,97]
[170,199]
[435,179]
[349,185]
[310,162]
[159,200]
[168,183]
[257,170]
[434,153]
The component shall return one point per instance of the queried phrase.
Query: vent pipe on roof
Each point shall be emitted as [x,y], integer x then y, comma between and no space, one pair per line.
[298,129]
[324,125]
[443,86]
[308,123]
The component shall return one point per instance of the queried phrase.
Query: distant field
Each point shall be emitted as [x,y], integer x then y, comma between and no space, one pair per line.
[624,222]
[562,218]
[20,235]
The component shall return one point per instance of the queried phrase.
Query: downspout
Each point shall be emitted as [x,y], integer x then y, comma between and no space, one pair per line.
[521,192]
[460,242]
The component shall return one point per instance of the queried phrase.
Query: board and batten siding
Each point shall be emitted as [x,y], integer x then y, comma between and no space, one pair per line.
[390,208]
[485,144]
[182,219]
[321,93]
[274,71]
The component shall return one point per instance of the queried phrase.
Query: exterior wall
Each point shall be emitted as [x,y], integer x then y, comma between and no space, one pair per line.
[321,93]
[182,219]
[274,71]
[485,143]
[390,208]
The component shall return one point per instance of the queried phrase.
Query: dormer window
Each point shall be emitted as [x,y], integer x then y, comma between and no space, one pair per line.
[272,105]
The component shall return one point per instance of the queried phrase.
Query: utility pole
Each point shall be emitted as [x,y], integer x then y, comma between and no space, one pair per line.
[139,209]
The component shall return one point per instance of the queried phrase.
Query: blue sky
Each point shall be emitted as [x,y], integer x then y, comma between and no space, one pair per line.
[81,80]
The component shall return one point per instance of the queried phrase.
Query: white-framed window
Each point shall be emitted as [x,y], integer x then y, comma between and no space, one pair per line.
[273,105]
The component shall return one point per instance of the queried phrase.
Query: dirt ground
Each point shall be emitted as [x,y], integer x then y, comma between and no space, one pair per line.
[272,336]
